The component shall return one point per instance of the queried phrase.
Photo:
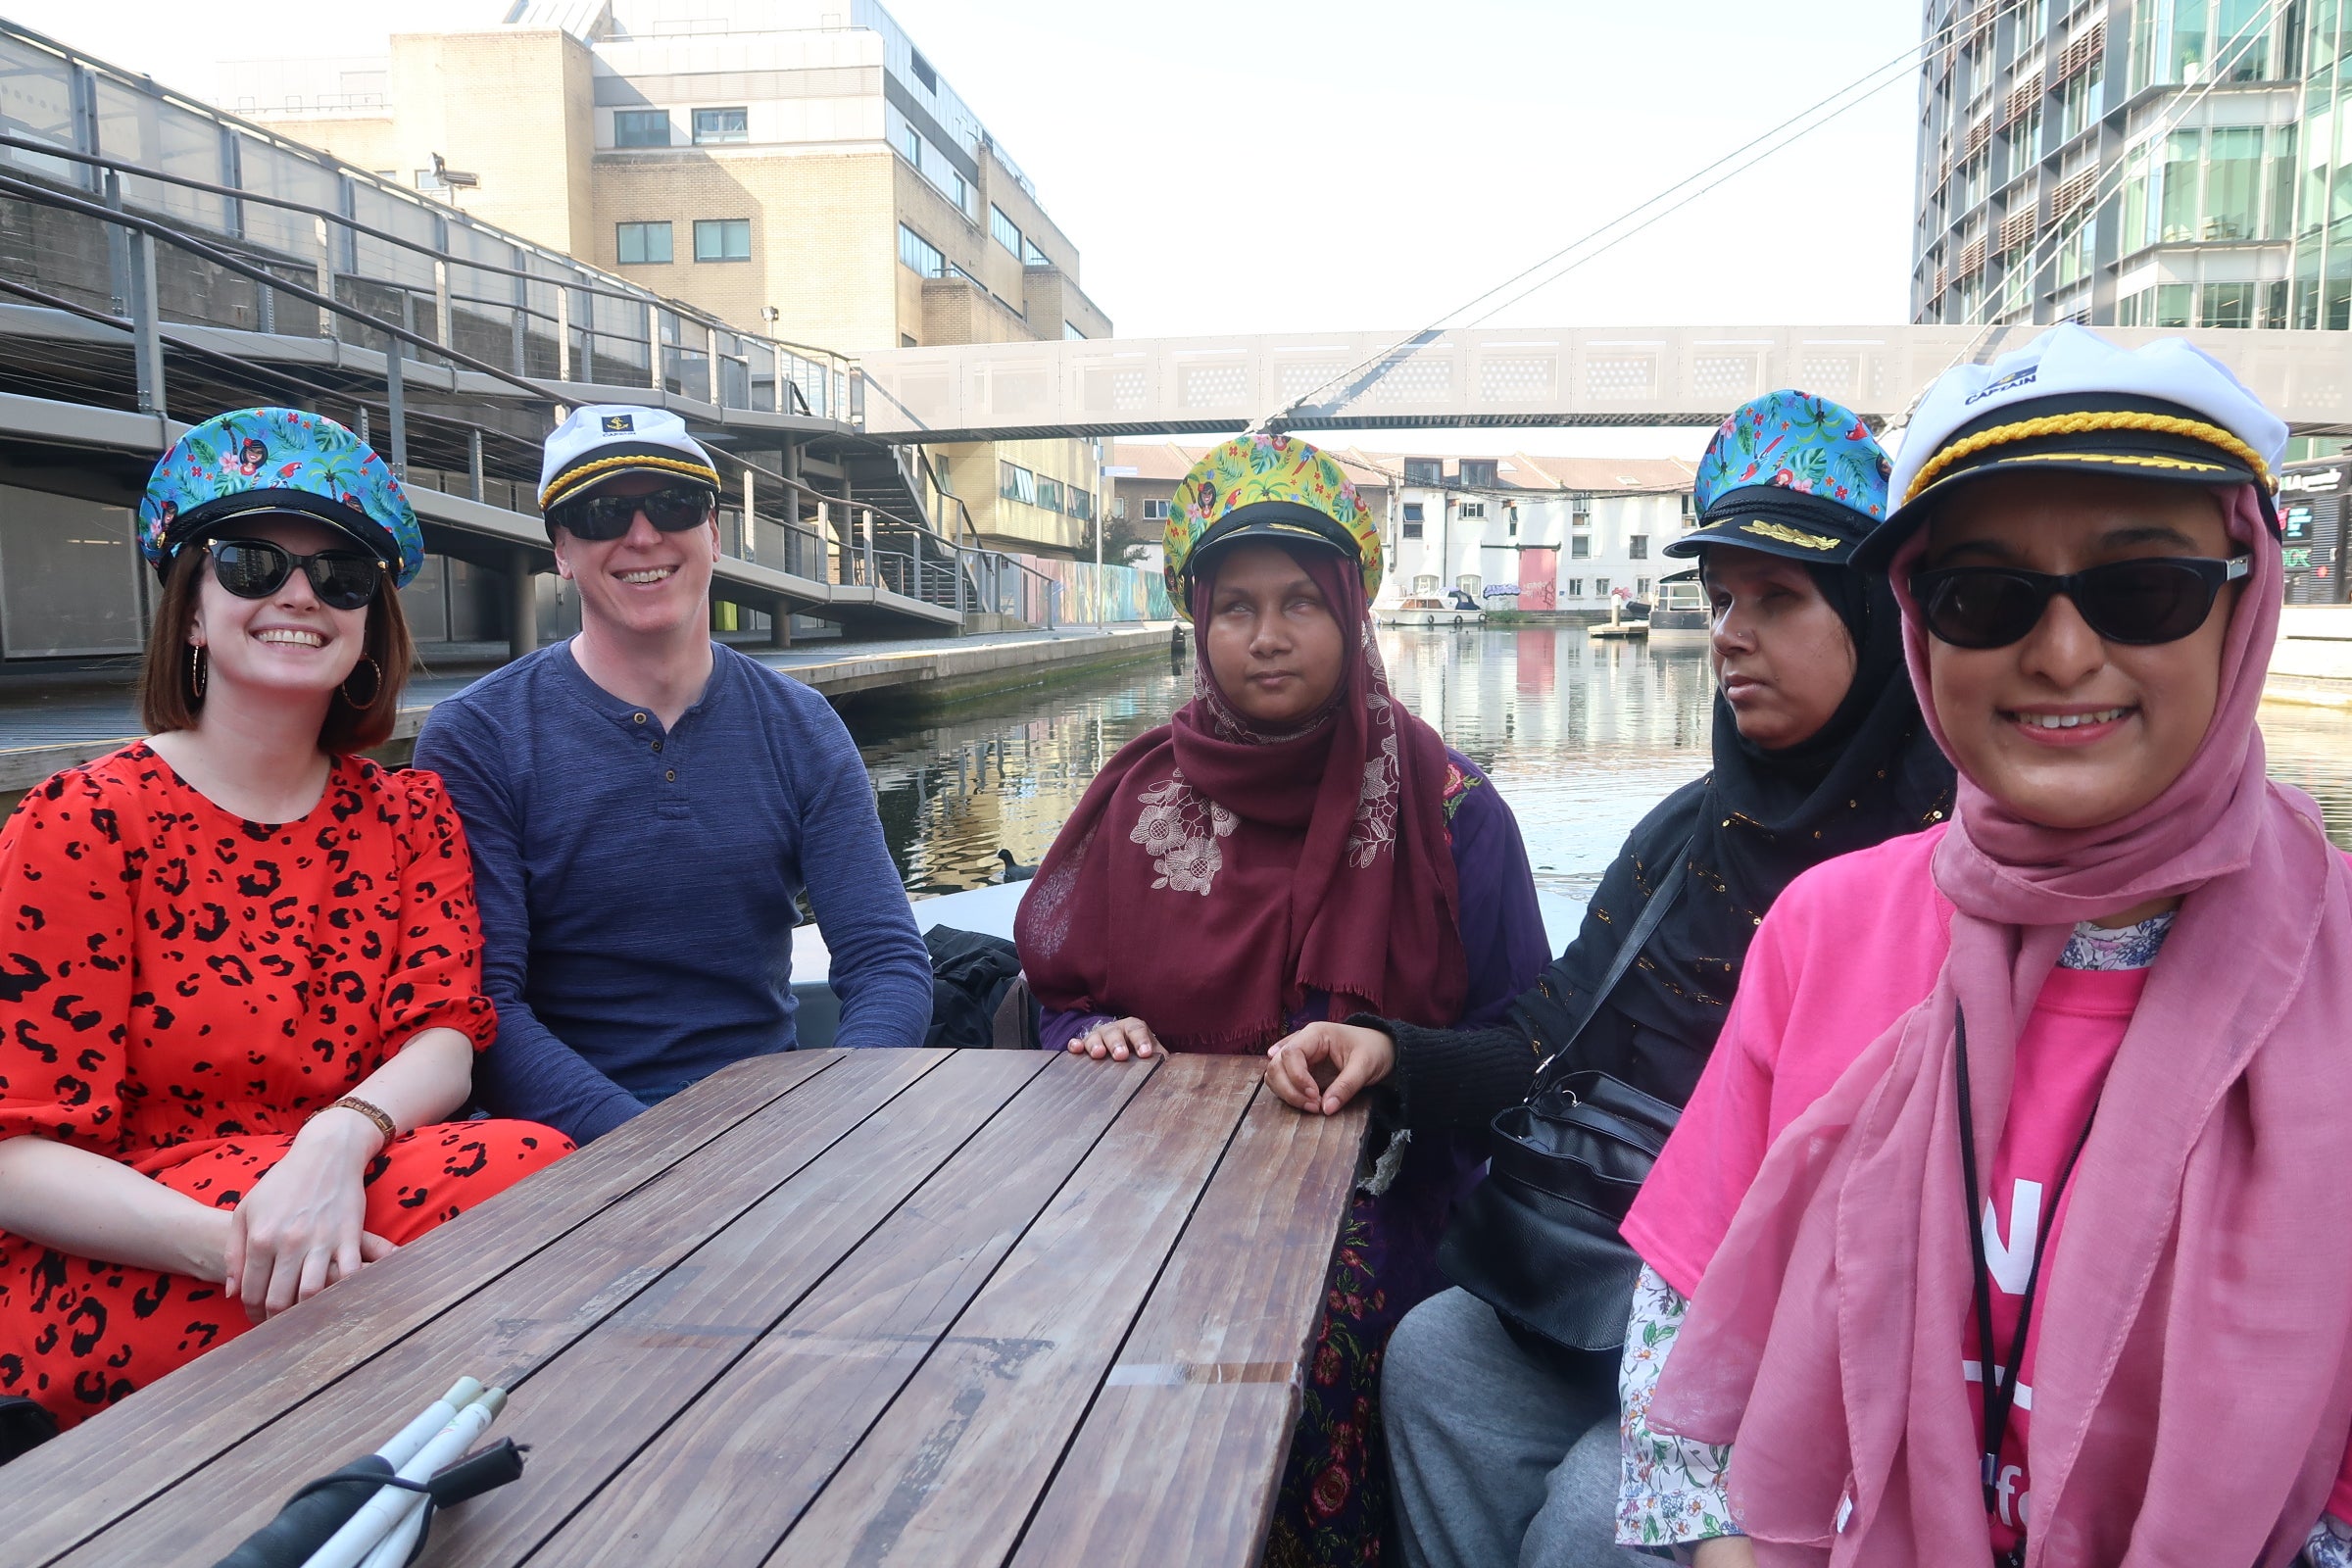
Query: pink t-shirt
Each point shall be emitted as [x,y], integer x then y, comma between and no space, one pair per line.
[1848,948]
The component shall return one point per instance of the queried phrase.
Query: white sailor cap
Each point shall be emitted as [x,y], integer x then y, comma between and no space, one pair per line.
[604,439]
[2072,400]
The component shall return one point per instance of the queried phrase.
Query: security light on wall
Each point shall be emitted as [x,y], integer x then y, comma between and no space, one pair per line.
[455,179]
[771,314]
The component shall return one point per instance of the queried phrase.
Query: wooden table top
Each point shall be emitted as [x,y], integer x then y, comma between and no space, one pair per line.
[865,1306]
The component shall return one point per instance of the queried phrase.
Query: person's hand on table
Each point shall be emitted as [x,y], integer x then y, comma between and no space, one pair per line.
[1325,1066]
[1117,1039]
[300,1229]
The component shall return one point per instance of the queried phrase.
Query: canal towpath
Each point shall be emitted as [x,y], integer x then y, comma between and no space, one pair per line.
[46,728]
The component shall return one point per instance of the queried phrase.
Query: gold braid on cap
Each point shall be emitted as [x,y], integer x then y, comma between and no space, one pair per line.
[2213,435]
[572,478]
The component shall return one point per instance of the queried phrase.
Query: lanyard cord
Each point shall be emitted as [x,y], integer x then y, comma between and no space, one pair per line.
[1999,1383]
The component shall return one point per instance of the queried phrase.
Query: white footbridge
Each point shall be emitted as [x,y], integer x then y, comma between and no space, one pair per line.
[1598,376]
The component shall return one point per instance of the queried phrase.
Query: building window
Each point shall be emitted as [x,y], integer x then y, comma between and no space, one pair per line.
[1049,494]
[1600,587]
[640,128]
[961,189]
[922,70]
[1118,508]
[912,147]
[1479,473]
[2227,305]
[1474,512]
[1080,503]
[1573,588]
[1641,587]
[1070,332]
[1031,255]
[1412,512]
[1513,513]
[921,253]
[1157,511]
[1002,229]
[1412,524]
[1580,547]
[721,125]
[1637,546]
[1014,482]
[641,243]
[1424,470]
[723,240]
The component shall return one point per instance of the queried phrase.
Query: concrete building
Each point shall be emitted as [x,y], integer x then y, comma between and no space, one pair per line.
[796,164]
[2134,162]
[1537,533]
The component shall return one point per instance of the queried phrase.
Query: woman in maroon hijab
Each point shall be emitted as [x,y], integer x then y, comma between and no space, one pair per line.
[1293,846]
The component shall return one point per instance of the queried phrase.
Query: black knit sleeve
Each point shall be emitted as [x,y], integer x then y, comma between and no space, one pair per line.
[1453,1080]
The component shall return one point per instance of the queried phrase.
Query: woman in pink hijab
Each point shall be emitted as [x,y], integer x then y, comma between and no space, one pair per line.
[2009,1222]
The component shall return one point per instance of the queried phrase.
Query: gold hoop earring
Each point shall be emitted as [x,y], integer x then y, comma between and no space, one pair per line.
[375,684]
[200,673]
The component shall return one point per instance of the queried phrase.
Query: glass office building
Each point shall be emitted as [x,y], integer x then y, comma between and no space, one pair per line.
[2135,162]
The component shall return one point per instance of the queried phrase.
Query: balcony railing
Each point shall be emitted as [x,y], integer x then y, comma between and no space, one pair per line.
[407,268]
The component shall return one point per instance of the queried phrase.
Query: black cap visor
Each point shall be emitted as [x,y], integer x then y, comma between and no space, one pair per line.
[1273,523]
[214,516]
[1778,521]
[2118,452]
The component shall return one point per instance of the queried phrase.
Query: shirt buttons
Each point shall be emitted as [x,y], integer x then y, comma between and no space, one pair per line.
[639,717]
[672,775]
[657,746]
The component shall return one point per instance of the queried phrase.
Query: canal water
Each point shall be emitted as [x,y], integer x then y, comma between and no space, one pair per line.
[1582,738]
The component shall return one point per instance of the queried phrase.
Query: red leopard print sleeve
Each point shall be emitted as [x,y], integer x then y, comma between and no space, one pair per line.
[172,974]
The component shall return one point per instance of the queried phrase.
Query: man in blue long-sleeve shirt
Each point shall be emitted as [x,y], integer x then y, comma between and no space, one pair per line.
[645,805]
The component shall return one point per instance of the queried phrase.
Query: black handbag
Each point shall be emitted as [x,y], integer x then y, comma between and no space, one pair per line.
[1537,1240]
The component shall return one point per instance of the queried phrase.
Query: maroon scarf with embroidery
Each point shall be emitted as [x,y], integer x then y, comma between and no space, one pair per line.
[1215,873]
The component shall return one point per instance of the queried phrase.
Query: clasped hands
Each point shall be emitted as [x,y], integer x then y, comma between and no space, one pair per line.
[300,1229]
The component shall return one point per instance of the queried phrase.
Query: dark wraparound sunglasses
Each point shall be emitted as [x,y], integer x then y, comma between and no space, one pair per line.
[255,568]
[2139,602]
[600,518]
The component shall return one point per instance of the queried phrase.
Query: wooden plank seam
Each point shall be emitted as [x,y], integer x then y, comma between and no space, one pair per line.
[1141,1307]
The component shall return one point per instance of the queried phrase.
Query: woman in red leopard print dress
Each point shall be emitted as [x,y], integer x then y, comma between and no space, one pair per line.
[239,966]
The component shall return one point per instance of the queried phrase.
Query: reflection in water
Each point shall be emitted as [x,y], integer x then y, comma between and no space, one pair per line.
[1582,738]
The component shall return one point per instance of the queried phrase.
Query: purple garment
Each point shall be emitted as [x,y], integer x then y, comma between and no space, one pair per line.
[1502,928]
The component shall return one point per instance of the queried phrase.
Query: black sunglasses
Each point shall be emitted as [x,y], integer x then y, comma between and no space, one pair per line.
[599,517]
[255,568]
[2139,602]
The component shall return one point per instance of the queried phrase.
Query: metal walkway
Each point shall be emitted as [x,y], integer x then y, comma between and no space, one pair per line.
[1668,375]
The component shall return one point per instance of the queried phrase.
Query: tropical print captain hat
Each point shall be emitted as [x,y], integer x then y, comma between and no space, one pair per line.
[277,459]
[1272,487]
[2072,400]
[1791,474]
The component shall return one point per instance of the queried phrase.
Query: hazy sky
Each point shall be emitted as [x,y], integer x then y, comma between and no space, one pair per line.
[1322,165]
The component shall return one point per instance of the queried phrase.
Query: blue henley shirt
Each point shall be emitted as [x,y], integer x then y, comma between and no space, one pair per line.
[637,884]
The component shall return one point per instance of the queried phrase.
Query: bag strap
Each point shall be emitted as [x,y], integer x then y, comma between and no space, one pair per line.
[1661,900]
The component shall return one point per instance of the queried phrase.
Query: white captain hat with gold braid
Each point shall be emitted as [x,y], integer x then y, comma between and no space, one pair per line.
[2072,400]
[603,440]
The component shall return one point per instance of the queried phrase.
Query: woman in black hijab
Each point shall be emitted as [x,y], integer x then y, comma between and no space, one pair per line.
[1504,1450]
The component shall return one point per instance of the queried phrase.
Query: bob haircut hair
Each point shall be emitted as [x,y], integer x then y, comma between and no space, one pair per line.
[168,699]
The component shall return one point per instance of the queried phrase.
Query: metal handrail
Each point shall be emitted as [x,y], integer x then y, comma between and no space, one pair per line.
[615,288]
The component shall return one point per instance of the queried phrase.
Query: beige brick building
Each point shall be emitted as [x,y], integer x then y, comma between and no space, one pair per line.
[797,167]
